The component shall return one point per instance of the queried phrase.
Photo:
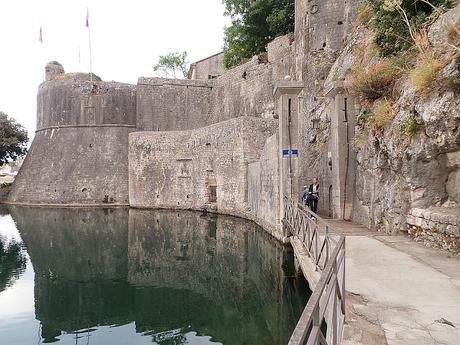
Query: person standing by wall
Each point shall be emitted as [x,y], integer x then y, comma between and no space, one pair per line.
[313,195]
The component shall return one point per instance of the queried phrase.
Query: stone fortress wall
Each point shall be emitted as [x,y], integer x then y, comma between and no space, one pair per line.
[217,144]
[79,152]
[207,170]
[173,105]
[246,90]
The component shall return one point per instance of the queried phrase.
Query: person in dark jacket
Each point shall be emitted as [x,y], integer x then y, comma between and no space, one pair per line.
[313,195]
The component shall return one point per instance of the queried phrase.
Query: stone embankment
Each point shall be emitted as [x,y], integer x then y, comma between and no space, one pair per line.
[436,227]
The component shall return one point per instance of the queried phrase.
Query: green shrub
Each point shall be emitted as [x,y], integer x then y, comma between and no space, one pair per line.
[378,80]
[408,127]
[392,34]
[423,76]
[254,25]
[382,114]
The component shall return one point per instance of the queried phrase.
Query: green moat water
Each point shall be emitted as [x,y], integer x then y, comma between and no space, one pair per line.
[119,276]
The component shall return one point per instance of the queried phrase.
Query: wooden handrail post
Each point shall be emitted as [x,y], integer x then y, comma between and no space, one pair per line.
[343,276]
[316,241]
[327,243]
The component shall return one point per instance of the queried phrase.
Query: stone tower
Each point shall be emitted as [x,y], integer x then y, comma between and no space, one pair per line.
[321,30]
[321,27]
[52,70]
[79,155]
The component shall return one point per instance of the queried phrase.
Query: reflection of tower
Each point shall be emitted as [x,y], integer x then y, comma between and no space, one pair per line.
[211,183]
[80,151]
[80,261]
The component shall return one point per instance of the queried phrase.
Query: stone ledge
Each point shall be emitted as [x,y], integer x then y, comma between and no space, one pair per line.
[442,220]
[174,82]
[438,214]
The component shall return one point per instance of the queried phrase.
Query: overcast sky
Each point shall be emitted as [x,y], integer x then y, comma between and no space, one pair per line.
[127,38]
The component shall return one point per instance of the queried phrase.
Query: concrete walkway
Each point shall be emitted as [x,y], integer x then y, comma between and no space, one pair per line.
[399,292]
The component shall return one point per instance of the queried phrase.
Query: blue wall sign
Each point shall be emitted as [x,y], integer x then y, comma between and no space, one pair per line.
[293,152]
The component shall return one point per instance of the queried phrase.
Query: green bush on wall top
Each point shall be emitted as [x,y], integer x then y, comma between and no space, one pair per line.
[254,24]
[391,32]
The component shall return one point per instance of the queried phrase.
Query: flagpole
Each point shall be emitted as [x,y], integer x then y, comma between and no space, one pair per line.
[40,39]
[79,59]
[90,52]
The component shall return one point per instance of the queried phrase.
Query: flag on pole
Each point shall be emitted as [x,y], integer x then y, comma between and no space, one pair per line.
[40,36]
[89,41]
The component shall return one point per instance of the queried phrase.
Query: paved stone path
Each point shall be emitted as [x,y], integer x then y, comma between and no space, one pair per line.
[399,292]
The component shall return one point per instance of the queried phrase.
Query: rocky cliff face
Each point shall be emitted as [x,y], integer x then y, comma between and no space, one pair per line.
[407,167]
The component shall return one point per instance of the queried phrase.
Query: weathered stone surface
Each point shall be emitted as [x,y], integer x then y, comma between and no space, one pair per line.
[173,105]
[72,100]
[80,150]
[75,166]
[453,186]
[263,185]
[208,68]
[441,220]
[395,174]
[453,159]
[197,169]
[52,70]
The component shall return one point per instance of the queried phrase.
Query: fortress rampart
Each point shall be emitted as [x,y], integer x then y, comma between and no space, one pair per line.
[79,153]
[72,100]
[173,104]
[246,90]
[194,144]
[220,144]
[196,169]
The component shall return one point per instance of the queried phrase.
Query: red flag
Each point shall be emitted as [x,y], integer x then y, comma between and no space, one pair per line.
[87,17]
[40,36]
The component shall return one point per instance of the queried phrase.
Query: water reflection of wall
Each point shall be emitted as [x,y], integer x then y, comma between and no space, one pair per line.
[227,260]
[80,262]
[206,254]
[75,244]
[218,276]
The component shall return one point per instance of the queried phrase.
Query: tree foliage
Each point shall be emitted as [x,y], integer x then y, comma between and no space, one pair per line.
[172,63]
[13,139]
[12,263]
[254,24]
[392,34]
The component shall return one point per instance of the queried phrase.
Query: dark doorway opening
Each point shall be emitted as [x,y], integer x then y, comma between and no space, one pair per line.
[212,193]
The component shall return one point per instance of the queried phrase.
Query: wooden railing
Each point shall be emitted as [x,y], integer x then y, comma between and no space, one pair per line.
[322,320]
